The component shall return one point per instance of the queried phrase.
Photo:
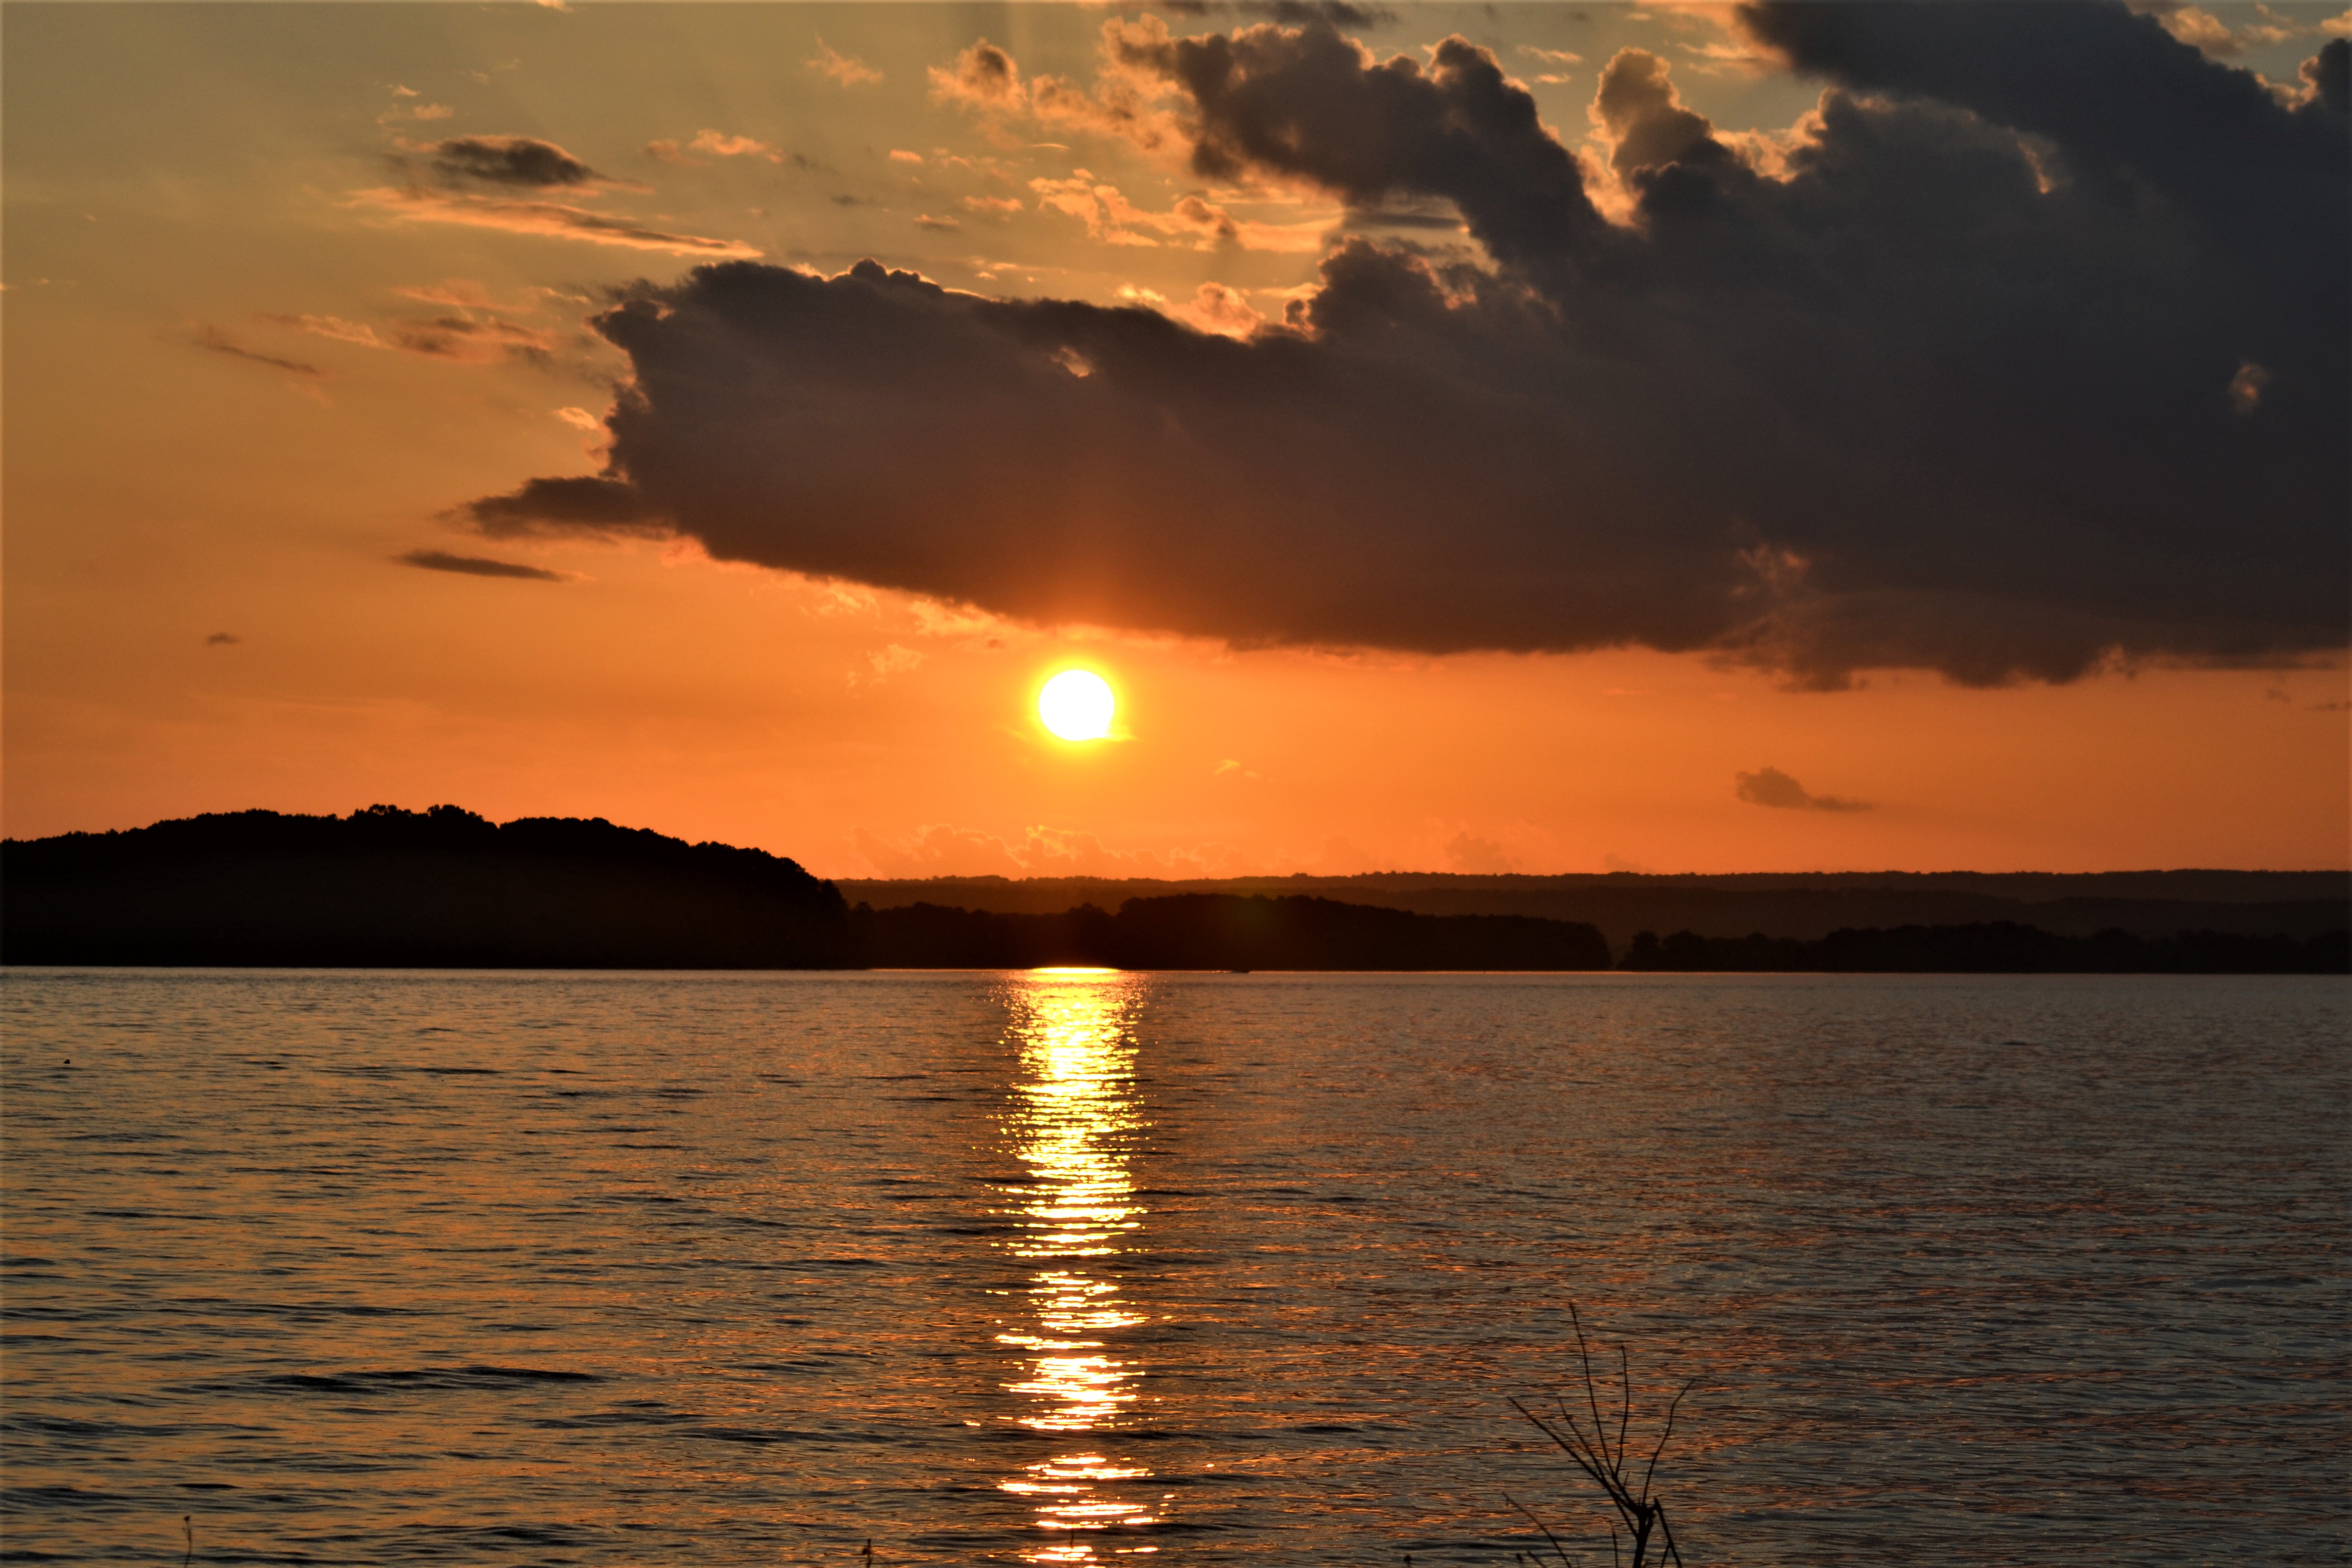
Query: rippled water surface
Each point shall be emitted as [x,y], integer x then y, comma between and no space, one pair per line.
[1064,1268]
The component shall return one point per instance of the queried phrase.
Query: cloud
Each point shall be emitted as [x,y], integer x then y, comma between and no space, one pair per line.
[457,293]
[1770,786]
[1124,102]
[943,225]
[223,639]
[943,850]
[1213,307]
[220,342]
[725,144]
[1558,59]
[1641,116]
[1339,13]
[847,69]
[597,507]
[938,850]
[983,76]
[1477,857]
[1193,221]
[895,660]
[404,110]
[720,144]
[1941,379]
[461,339]
[2246,387]
[2202,30]
[553,220]
[476,567]
[508,161]
[1060,852]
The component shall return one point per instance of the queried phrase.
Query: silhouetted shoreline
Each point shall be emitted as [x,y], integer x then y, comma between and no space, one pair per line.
[445,889]
[1221,930]
[1808,906]
[2000,947]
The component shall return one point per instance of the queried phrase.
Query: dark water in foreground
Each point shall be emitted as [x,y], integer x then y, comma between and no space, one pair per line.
[1060,1269]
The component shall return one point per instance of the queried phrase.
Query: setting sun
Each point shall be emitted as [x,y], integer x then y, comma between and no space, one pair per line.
[1076,705]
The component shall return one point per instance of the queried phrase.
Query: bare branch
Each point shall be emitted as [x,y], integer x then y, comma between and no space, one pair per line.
[1603,1461]
[1671,1549]
[1572,1450]
[1625,1404]
[1669,1432]
[1591,1397]
[1541,1529]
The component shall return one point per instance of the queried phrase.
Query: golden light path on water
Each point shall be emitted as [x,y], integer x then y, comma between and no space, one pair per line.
[1073,1122]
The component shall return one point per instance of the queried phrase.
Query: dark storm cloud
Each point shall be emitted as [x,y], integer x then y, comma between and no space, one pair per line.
[1959,380]
[1307,102]
[476,567]
[508,161]
[1770,786]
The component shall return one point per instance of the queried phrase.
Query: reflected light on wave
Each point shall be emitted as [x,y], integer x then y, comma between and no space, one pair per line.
[1073,1123]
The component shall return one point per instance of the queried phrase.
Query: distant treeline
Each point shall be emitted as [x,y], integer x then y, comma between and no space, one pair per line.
[1221,930]
[2148,903]
[446,888]
[1999,947]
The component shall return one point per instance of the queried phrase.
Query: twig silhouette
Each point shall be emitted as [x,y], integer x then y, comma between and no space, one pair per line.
[1642,1512]
[1545,1531]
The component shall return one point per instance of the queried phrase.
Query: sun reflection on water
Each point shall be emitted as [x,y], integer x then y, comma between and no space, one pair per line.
[1073,1122]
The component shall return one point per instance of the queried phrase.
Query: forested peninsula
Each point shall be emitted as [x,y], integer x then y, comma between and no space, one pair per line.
[448,889]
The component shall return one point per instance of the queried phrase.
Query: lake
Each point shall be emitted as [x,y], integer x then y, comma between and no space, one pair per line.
[401,1267]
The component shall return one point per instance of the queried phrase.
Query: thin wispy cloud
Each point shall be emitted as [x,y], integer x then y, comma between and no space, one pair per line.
[847,69]
[1193,221]
[477,567]
[220,342]
[463,339]
[551,220]
[723,144]
[1770,786]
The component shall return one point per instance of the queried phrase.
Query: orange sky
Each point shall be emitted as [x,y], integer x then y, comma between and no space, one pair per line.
[224,421]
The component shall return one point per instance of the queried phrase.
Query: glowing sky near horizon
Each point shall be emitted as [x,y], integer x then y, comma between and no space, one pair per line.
[260,351]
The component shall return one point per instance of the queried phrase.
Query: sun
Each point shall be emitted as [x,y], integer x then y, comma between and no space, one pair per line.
[1076,705]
